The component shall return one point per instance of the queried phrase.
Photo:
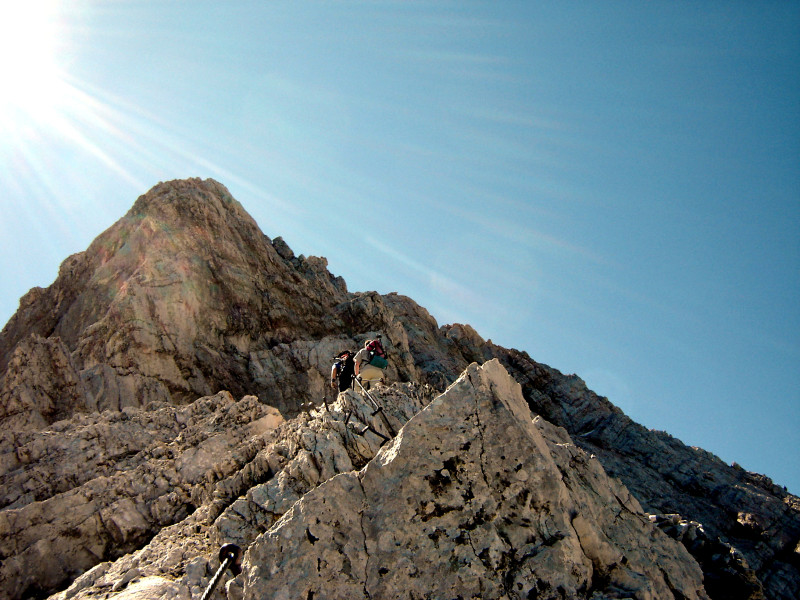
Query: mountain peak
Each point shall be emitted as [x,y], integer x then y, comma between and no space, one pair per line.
[170,392]
[188,201]
[169,301]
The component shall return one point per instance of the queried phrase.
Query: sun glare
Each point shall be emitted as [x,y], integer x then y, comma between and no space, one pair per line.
[30,83]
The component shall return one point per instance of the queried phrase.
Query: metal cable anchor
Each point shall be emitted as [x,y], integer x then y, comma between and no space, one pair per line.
[229,558]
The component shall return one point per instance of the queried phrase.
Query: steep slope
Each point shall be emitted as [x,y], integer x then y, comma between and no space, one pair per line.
[184,298]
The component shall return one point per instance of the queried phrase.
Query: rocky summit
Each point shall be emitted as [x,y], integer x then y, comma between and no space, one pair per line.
[168,395]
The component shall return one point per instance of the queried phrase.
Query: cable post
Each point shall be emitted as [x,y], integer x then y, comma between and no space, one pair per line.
[229,557]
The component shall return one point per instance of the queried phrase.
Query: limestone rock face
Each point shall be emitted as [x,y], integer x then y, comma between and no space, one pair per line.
[97,486]
[40,385]
[293,459]
[726,572]
[451,509]
[168,304]
[140,401]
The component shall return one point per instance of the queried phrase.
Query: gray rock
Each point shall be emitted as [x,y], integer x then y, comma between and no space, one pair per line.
[297,456]
[450,509]
[102,505]
[739,509]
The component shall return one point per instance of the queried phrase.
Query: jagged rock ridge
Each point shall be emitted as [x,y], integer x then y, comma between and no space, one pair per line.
[184,298]
[450,509]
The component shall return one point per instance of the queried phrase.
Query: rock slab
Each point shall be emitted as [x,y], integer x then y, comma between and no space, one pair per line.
[473,499]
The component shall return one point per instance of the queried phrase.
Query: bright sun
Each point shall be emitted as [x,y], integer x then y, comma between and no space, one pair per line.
[30,83]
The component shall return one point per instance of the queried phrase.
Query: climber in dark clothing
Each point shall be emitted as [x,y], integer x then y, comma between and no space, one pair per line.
[343,370]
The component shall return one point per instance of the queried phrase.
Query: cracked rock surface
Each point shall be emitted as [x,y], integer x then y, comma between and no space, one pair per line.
[293,458]
[452,509]
[105,484]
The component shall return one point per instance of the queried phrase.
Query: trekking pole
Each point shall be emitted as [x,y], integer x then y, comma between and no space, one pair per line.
[229,556]
[378,408]
[376,432]
[372,400]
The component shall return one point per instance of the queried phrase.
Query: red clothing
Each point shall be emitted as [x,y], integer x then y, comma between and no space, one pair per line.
[376,347]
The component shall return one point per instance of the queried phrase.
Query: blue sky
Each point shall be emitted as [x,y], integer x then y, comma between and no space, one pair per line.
[613,187]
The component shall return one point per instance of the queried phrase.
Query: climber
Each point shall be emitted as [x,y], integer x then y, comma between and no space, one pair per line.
[343,370]
[366,371]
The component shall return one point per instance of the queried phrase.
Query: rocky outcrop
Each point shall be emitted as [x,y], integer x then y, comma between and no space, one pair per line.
[95,487]
[445,508]
[726,572]
[169,303]
[41,385]
[450,509]
[185,298]
[296,457]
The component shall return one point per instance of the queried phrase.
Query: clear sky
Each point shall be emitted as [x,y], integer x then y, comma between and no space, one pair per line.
[613,187]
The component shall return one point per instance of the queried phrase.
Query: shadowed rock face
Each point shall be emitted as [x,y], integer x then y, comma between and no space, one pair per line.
[746,510]
[185,298]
